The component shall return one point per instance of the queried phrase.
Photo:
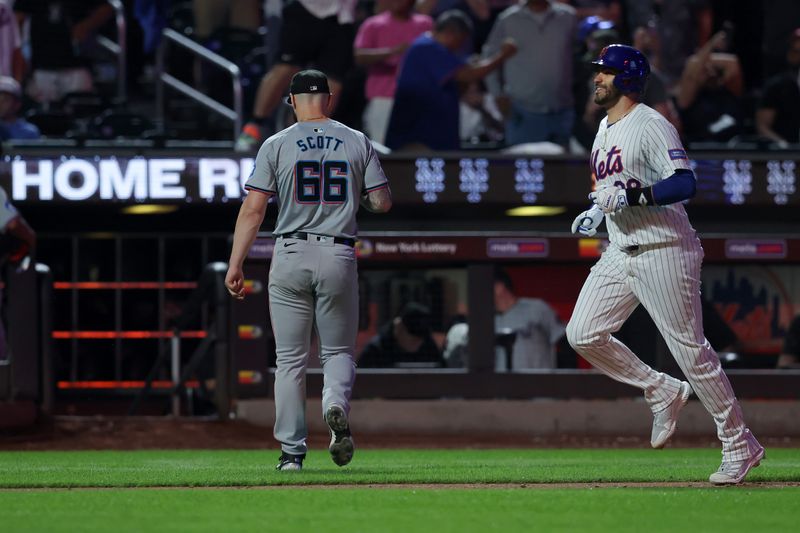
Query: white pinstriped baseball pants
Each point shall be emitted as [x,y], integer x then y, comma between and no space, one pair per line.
[666,280]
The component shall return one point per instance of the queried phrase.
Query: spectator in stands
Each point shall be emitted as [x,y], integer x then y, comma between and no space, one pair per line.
[683,26]
[426,107]
[656,95]
[778,114]
[779,21]
[480,120]
[12,63]
[316,33]
[709,93]
[609,10]
[478,11]
[210,15]
[11,125]
[58,30]
[406,339]
[534,88]
[790,354]
[380,44]
[474,8]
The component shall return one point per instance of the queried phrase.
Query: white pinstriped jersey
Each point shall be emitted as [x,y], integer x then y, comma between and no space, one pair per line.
[318,170]
[640,149]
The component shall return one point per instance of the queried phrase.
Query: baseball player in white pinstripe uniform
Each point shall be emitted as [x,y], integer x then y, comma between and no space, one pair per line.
[320,171]
[654,258]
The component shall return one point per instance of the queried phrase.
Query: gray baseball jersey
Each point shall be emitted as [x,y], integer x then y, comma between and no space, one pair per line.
[654,258]
[7,211]
[318,170]
[639,150]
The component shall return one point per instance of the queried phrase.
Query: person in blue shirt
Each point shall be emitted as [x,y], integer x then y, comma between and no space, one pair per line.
[11,126]
[426,108]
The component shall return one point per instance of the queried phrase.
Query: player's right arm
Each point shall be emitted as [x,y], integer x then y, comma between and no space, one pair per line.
[251,215]
[376,196]
[378,201]
[261,186]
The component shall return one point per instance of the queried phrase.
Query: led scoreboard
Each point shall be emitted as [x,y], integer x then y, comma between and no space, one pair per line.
[484,178]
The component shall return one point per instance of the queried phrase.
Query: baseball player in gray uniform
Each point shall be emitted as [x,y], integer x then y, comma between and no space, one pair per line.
[319,171]
[654,258]
[17,240]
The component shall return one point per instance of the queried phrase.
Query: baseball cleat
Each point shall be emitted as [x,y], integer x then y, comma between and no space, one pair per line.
[733,472]
[665,422]
[341,446]
[290,462]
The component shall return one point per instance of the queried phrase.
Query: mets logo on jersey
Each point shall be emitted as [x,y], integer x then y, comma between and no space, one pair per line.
[612,164]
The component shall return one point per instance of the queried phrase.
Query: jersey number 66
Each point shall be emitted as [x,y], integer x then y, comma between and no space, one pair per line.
[315,181]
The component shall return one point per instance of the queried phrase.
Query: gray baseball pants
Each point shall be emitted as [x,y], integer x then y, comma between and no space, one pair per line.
[313,286]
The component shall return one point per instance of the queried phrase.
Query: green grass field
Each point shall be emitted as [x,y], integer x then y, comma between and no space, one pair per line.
[240,491]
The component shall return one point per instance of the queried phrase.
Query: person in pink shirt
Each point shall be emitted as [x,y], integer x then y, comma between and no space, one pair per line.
[379,46]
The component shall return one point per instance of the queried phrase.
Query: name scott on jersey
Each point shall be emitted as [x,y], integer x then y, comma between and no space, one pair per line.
[321,142]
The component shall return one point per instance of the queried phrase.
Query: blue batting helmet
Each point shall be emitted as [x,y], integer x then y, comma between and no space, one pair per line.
[631,67]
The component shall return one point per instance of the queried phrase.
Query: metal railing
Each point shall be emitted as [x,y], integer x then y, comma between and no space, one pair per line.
[119,49]
[170,38]
[209,296]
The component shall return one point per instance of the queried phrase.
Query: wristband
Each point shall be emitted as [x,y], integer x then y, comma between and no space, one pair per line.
[640,196]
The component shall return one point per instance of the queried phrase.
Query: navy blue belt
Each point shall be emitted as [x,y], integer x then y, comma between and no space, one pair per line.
[305,236]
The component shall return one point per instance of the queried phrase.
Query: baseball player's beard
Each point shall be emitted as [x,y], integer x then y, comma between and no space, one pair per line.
[611,97]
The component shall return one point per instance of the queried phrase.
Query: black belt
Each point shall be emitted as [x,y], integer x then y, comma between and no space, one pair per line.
[305,236]
[631,249]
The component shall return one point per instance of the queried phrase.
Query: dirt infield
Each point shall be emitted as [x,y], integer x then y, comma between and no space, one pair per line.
[120,433]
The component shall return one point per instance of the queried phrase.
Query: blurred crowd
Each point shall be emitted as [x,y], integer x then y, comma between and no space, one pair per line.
[413,74]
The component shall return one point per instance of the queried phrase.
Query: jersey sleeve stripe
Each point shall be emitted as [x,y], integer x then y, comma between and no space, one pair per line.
[258,189]
[376,187]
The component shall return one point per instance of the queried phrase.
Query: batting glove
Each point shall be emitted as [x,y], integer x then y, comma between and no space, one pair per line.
[609,199]
[587,222]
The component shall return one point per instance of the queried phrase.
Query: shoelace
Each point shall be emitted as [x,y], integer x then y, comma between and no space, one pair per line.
[729,467]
